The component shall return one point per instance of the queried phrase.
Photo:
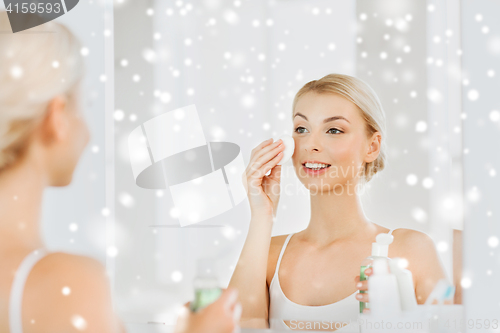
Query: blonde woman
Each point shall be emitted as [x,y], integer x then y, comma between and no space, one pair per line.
[42,134]
[299,280]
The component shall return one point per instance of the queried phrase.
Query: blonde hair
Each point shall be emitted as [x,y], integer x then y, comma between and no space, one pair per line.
[364,97]
[35,67]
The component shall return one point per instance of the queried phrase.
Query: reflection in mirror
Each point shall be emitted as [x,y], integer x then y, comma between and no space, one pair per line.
[242,65]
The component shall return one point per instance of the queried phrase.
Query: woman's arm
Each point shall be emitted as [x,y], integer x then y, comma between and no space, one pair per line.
[249,276]
[457,265]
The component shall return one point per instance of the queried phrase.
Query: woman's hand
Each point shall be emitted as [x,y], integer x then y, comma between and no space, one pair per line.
[264,191]
[363,285]
[222,316]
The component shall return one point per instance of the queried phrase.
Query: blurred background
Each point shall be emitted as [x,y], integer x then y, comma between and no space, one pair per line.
[434,65]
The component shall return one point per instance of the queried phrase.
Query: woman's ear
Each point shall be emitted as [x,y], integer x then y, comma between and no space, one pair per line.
[374,147]
[55,126]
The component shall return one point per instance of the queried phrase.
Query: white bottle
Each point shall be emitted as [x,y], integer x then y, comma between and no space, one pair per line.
[206,285]
[380,249]
[405,284]
[383,291]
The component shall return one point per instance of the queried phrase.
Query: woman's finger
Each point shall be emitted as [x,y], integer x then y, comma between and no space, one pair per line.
[267,145]
[362,285]
[261,145]
[264,150]
[275,173]
[362,297]
[238,309]
[266,158]
[257,150]
[261,172]
[254,167]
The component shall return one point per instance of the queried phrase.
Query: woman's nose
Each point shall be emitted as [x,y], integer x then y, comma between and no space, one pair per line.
[313,143]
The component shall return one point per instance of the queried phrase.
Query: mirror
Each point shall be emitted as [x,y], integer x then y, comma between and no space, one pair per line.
[241,64]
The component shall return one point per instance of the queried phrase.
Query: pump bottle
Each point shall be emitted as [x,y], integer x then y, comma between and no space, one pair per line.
[405,284]
[380,250]
[384,292]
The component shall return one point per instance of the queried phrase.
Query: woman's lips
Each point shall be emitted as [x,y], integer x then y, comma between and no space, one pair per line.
[315,172]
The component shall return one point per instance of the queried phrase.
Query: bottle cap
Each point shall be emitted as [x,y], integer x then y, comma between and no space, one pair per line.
[381,246]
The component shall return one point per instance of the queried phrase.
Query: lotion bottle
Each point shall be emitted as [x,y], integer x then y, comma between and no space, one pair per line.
[206,285]
[384,292]
[380,249]
[405,284]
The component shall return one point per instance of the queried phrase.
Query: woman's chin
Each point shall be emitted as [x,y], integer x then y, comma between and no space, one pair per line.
[321,186]
[318,187]
[61,181]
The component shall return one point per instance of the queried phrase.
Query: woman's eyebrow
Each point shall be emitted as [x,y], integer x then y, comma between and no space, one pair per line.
[300,115]
[327,120]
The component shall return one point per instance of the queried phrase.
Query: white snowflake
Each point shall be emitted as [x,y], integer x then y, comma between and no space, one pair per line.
[73,227]
[411,179]
[126,199]
[84,51]
[66,291]
[176,276]
[79,322]
[473,95]
[16,72]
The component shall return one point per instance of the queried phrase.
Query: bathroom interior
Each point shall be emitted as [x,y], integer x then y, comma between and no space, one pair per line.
[434,65]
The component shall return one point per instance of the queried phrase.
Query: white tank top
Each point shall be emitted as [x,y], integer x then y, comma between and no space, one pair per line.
[281,308]
[16,292]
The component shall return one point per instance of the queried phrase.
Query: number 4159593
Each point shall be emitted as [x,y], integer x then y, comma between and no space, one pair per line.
[34,8]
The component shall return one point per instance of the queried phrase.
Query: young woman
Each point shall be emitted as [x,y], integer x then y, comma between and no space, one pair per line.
[313,275]
[42,135]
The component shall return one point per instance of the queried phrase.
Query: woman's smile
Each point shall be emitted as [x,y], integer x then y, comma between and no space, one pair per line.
[315,168]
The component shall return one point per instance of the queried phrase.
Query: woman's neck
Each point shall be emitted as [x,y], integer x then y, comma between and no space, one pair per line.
[336,216]
[21,190]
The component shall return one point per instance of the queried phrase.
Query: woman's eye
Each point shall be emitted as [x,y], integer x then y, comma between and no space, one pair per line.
[300,129]
[334,129]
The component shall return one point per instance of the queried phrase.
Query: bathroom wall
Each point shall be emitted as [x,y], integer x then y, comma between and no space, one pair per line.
[481,134]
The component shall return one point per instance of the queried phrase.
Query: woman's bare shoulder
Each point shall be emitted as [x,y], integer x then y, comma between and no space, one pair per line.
[416,246]
[277,243]
[64,291]
[62,260]
[411,238]
[60,267]
[274,252]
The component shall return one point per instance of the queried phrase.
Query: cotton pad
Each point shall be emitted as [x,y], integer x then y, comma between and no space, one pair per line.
[289,148]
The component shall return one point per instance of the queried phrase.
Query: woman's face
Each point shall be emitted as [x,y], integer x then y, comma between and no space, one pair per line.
[331,142]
